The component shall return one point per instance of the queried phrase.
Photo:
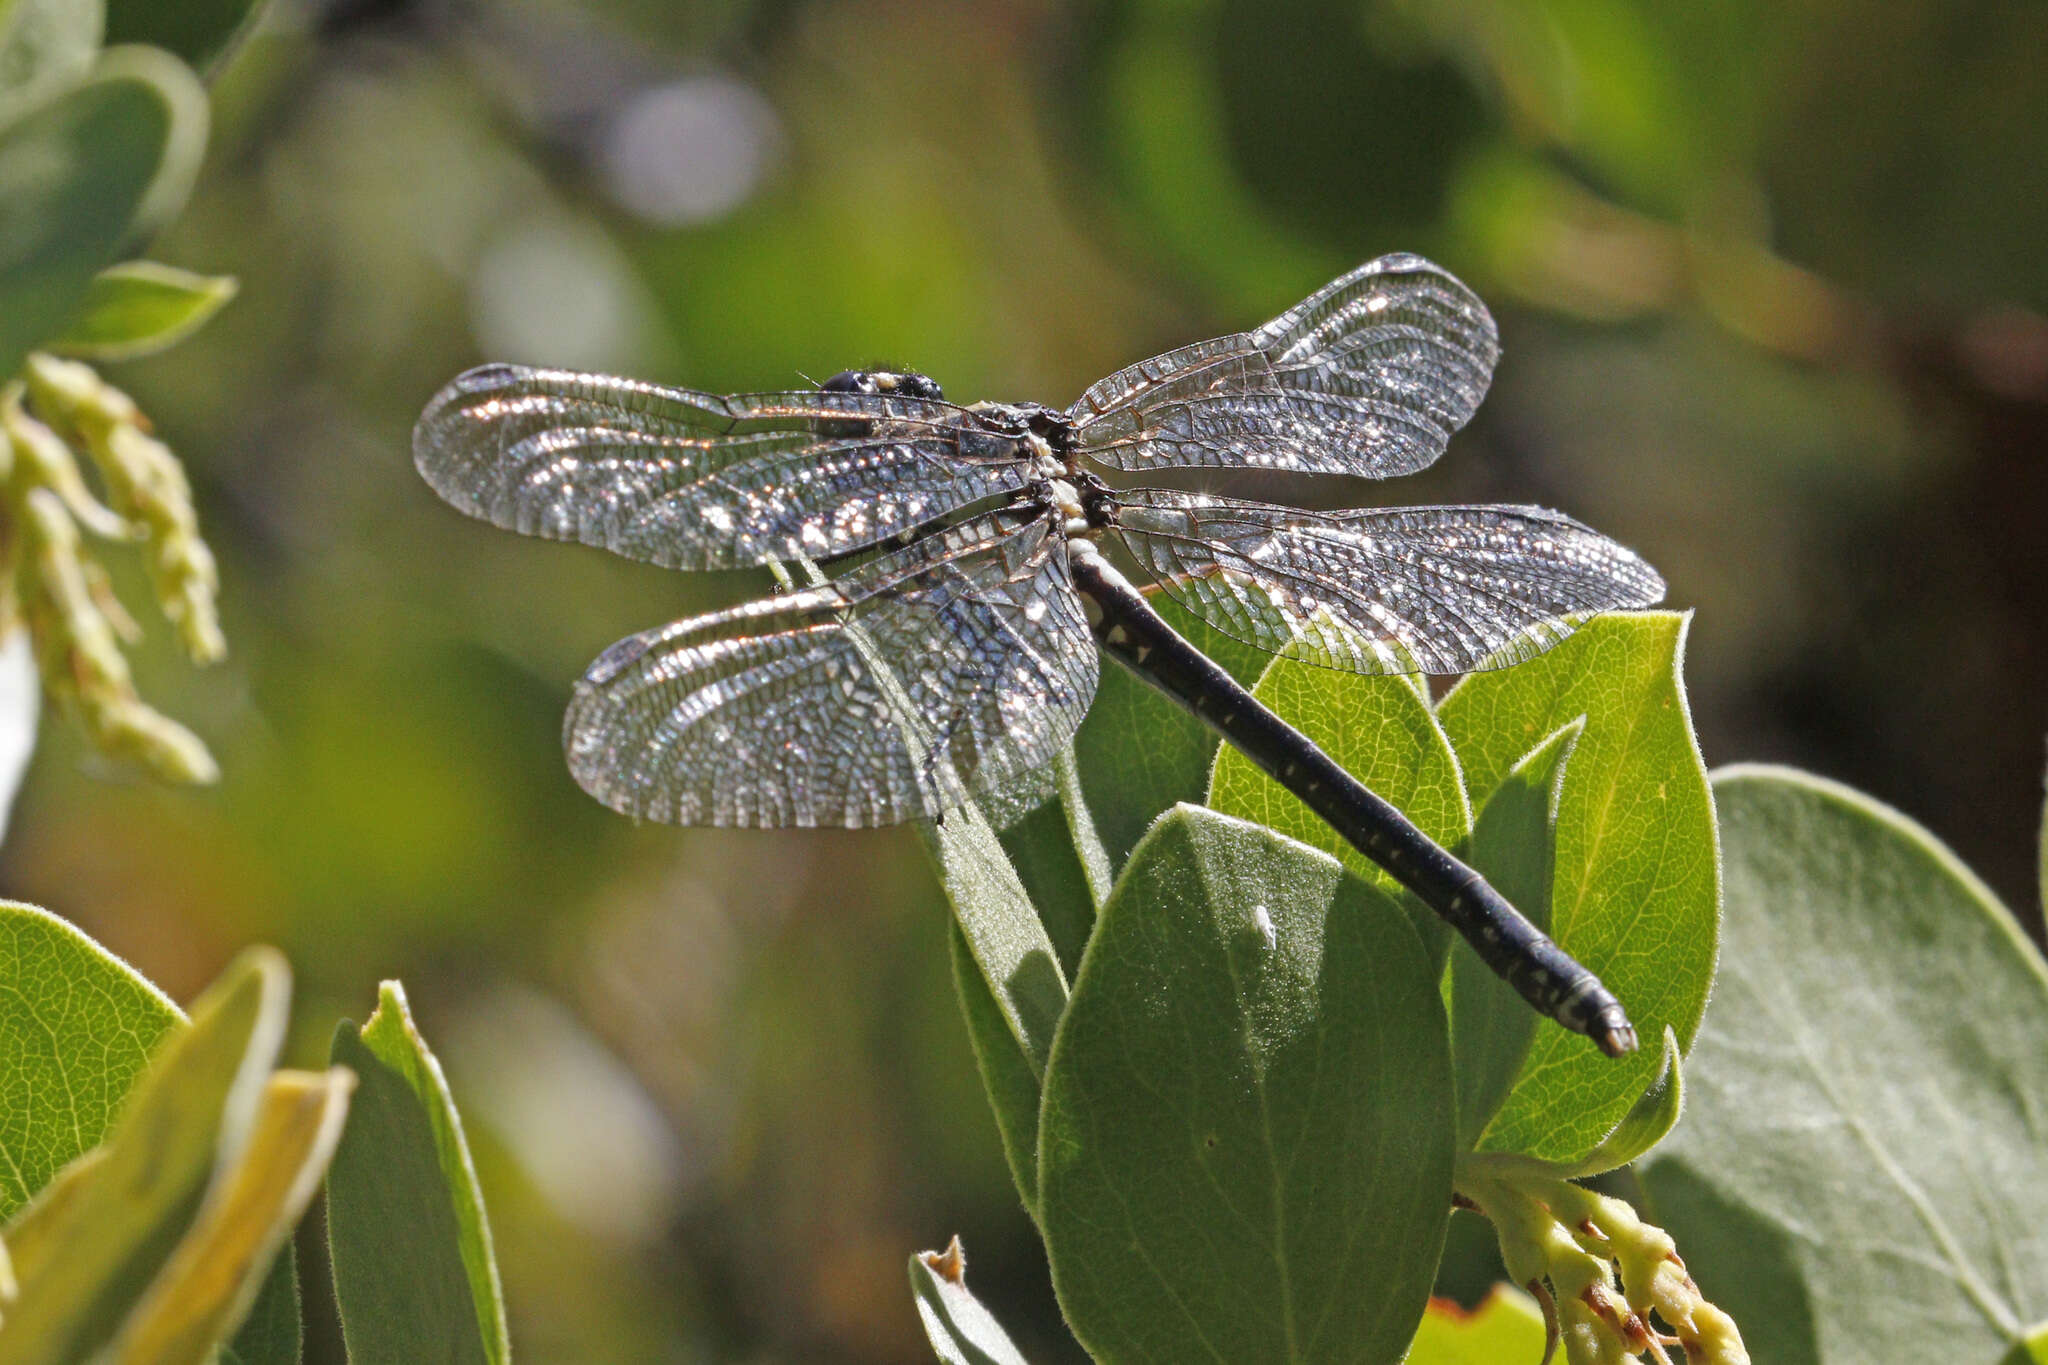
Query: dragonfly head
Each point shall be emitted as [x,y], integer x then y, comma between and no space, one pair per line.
[907,383]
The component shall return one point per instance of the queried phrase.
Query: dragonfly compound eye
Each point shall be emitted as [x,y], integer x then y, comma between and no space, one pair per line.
[849,381]
[909,383]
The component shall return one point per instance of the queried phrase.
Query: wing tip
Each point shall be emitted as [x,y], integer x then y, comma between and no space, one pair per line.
[437,453]
[595,761]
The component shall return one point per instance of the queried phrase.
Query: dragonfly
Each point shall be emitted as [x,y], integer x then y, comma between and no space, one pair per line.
[970,564]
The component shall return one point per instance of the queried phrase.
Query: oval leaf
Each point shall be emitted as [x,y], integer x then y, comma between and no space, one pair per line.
[1381,731]
[1635,890]
[82,177]
[959,1328]
[141,307]
[405,1222]
[76,1028]
[1861,1159]
[1246,1141]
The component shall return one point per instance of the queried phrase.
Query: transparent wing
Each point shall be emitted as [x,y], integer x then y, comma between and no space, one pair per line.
[698,480]
[1391,590]
[1370,375]
[922,678]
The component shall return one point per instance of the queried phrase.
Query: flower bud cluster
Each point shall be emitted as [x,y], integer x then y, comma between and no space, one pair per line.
[1611,1278]
[52,584]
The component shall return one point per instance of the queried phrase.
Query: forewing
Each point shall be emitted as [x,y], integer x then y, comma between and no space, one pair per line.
[1387,590]
[924,677]
[1369,375]
[699,480]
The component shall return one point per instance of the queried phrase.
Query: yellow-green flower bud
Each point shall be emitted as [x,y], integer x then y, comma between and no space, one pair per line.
[78,653]
[147,485]
[38,457]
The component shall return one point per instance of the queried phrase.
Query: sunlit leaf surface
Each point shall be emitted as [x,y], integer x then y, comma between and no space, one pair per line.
[1635,888]
[1654,1114]
[76,1028]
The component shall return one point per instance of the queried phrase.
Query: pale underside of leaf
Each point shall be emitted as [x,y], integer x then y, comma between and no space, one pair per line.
[961,1331]
[1867,1098]
[208,1284]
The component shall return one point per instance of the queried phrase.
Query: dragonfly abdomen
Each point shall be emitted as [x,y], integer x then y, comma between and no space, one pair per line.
[1546,976]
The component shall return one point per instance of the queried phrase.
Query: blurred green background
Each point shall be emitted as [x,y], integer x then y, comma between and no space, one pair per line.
[1771,281]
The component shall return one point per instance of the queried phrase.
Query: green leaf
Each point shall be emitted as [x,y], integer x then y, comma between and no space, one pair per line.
[1247,1135]
[1002,928]
[45,44]
[77,1025]
[211,1281]
[272,1333]
[1654,1114]
[1140,752]
[203,32]
[960,1329]
[1006,1074]
[1381,731]
[85,175]
[1061,863]
[115,1228]
[1861,1160]
[1505,1329]
[405,1223]
[1513,843]
[1635,890]
[141,307]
